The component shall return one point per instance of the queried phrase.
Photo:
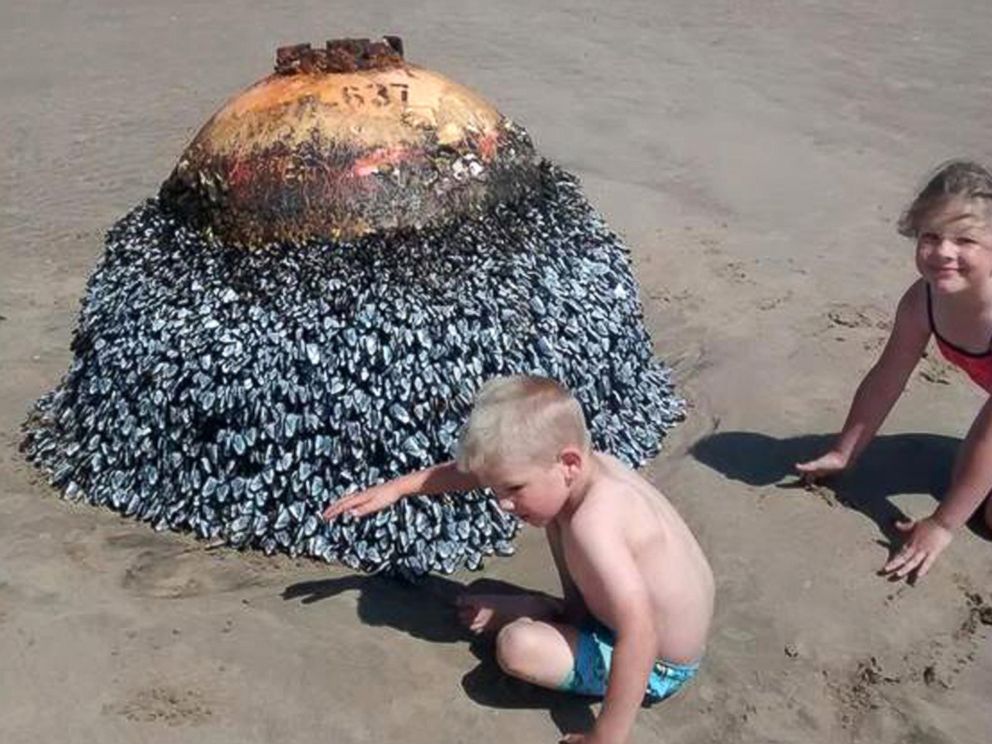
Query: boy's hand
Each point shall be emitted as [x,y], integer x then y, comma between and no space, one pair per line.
[927,540]
[822,467]
[475,613]
[487,613]
[589,738]
[364,502]
[576,739]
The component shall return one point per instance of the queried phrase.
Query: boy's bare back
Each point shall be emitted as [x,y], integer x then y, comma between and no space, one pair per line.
[625,538]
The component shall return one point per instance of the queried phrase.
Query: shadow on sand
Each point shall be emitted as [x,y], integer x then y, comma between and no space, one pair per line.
[427,611]
[893,464]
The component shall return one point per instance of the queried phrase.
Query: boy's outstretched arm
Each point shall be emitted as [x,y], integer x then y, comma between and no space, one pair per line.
[436,479]
[971,482]
[611,581]
[880,388]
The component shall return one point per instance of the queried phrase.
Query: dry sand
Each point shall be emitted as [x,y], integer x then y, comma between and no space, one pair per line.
[754,153]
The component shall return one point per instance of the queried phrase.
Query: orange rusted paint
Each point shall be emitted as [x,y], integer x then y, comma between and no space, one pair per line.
[336,155]
[368,109]
[371,163]
[487,146]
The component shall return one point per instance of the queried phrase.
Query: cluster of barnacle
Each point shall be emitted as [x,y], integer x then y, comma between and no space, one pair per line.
[236,393]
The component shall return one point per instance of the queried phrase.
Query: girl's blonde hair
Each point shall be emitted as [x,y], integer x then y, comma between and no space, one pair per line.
[964,179]
[520,418]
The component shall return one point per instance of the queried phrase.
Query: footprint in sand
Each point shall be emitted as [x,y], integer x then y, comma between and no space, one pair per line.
[168,570]
[172,706]
[734,271]
[863,316]
[874,344]
[770,303]
[934,369]
[871,685]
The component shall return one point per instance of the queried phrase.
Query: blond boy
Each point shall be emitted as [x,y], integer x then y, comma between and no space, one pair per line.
[638,591]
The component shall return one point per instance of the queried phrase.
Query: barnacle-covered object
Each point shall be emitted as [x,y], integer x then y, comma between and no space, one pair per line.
[343,142]
[309,306]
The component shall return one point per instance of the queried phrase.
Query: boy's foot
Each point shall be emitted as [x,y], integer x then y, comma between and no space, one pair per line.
[487,613]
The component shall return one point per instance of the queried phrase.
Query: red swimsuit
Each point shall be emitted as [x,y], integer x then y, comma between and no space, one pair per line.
[977,366]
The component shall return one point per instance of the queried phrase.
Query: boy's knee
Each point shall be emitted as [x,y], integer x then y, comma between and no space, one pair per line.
[516,644]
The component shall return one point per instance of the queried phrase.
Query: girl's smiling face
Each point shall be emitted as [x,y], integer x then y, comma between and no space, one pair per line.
[954,247]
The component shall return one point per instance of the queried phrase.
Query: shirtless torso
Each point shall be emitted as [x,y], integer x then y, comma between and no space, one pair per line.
[630,515]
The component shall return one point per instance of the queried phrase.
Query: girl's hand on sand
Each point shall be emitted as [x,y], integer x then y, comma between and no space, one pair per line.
[364,502]
[927,540]
[822,467]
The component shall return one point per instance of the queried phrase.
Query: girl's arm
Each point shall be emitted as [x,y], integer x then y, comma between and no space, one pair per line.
[429,481]
[971,482]
[971,479]
[881,387]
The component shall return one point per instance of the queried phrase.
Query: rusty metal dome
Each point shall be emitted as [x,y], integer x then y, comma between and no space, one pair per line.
[345,141]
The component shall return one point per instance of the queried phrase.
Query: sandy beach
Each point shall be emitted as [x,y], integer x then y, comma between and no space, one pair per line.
[755,156]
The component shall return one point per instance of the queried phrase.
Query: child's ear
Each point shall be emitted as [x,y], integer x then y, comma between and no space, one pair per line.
[571,458]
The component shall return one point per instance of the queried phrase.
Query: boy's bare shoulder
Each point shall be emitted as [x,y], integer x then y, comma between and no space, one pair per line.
[611,496]
[619,481]
[627,503]
[599,506]
[596,529]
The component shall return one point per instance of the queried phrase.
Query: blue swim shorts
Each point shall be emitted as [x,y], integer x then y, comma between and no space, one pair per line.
[592,667]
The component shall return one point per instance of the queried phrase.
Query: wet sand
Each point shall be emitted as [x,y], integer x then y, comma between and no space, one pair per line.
[754,154]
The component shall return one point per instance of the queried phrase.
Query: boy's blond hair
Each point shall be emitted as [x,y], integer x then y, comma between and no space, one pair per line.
[523,419]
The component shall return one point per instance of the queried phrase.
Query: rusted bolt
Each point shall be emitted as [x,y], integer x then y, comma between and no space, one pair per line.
[288,57]
[313,60]
[354,47]
[341,55]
